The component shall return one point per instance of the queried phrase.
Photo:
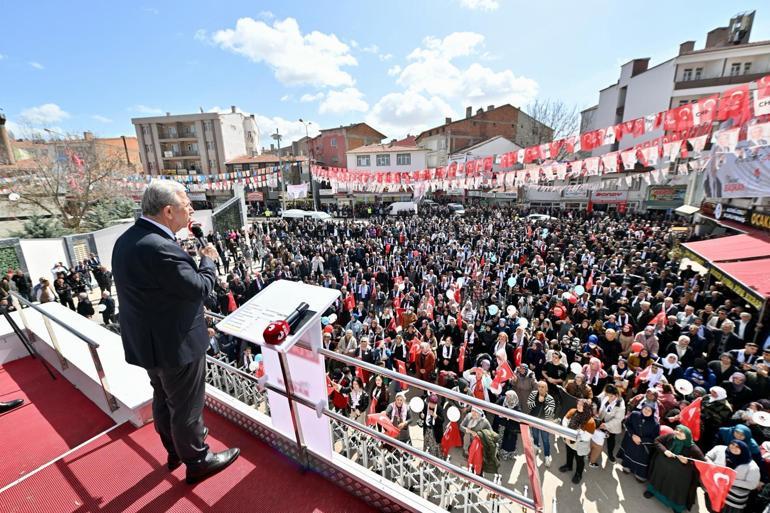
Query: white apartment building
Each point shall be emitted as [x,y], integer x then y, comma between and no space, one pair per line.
[728,59]
[396,156]
[194,143]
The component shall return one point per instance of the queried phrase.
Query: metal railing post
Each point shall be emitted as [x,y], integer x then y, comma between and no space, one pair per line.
[62,361]
[112,403]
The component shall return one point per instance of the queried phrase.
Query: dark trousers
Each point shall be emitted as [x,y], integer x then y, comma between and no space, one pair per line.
[177,405]
[572,455]
[611,444]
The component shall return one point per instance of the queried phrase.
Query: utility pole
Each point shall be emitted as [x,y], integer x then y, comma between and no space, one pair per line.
[277,137]
[310,164]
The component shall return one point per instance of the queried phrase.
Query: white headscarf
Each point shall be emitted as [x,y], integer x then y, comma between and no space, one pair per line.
[721,393]
[668,365]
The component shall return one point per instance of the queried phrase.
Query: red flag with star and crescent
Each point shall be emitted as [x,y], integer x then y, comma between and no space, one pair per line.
[451,438]
[690,417]
[717,481]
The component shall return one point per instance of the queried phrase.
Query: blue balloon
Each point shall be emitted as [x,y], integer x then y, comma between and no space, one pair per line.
[324,321]
[511,281]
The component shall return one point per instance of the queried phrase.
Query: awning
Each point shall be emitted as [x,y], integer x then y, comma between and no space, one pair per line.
[750,280]
[735,247]
[686,210]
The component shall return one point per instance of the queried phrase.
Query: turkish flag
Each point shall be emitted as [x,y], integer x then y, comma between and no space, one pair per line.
[517,356]
[414,350]
[502,374]
[451,438]
[734,104]
[690,417]
[402,369]
[461,357]
[329,387]
[635,127]
[556,148]
[643,376]
[476,455]
[383,420]
[531,154]
[589,140]
[350,302]
[658,318]
[717,481]
[589,281]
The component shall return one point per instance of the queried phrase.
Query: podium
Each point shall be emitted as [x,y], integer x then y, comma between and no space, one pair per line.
[288,366]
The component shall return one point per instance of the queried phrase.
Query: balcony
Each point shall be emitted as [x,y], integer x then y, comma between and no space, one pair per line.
[170,155]
[177,135]
[717,81]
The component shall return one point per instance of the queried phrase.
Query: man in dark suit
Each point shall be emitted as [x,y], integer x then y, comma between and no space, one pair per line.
[161,291]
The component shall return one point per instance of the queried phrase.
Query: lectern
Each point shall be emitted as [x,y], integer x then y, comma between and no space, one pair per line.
[290,367]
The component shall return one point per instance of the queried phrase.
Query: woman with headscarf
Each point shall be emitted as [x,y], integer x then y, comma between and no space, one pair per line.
[596,377]
[626,338]
[473,423]
[641,431]
[580,418]
[650,397]
[672,370]
[622,375]
[510,427]
[577,387]
[738,393]
[639,361]
[673,478]
[714,411]
[432,425]
[737,456]
[743,433]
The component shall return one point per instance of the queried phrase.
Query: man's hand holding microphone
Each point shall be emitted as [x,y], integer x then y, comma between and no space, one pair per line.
[210,251]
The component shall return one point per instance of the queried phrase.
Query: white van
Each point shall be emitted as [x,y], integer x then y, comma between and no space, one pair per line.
[401,207]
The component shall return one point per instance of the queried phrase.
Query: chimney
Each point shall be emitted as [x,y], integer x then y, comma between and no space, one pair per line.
[686,47]
[88,136]
[718,37]
[232,109]
[490,107]
[468,112]
[6,152]
[447,121]
[272,147]
[251,116]
[479,111]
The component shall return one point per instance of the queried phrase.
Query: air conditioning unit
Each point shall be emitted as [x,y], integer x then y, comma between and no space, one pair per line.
[168,154]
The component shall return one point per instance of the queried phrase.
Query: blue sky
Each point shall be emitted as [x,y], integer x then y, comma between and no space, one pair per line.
[400,65]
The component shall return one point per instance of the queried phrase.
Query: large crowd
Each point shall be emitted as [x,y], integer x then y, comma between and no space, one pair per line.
[590,320]
[587,319]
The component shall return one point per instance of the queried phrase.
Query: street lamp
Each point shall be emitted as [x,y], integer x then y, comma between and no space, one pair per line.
[309,162]
[277,137]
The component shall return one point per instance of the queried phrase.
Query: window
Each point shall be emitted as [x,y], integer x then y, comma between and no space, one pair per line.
[746,68]
[209,145]
[333,143]
[151,166]
[363,161]
[383,160]
[735,69]
[148,148]
[206,126]
[212,165]
[687,74]
[404,159]
[698,73]
[335,160]
[682,102]
[238,168]
[442,144]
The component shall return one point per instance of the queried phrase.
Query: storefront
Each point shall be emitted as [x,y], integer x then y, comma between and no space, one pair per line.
[607,201]
[665,197]
[717,218]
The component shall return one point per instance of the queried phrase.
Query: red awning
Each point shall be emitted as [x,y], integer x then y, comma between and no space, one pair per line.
[752,277]
[735,247]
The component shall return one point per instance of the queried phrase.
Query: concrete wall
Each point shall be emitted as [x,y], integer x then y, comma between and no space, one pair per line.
[105,241]
[41,255]
[417,161]
[648,93]
[233,137]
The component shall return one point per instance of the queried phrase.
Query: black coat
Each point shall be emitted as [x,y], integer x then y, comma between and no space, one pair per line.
[161,292]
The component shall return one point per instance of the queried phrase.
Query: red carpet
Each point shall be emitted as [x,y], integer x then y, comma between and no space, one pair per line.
[125,471]
[55,417]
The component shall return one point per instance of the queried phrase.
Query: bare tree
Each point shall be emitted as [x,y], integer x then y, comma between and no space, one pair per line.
[563,119]
[73,178]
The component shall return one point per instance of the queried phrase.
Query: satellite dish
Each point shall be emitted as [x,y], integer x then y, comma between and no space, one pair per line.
[14,196]
[453,414]
[416,404]
[576,368]
[761,418]
[683,386]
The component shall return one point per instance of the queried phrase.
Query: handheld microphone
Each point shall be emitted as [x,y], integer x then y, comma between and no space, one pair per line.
[277,331]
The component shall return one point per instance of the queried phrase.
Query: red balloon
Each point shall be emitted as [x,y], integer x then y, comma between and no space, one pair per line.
[558,312]
[666,430]
[573,299]
[636,347]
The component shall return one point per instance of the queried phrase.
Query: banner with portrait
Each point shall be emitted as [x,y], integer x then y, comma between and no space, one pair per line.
[745,173]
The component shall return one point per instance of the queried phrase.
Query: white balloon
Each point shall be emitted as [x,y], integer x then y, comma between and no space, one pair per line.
[253,366]
[401,287]
[14,196]
[460,281]
[450,295]
[510,310]
[576,368]
[332,318]
[453,414]
[683,386]
[416,404]
[100,308]
[524,323]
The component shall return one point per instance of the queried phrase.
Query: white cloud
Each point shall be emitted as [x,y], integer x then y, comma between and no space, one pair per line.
[45,114]
[290,130]
[144,109]
[201,35]
[307,97]
[480,5]
[397,114]
[371,49]
[101,119]
[314,58]
[385,56]
[36,65]
[433,71]
[349,99]
[268,15]
[286,97]
[394,70]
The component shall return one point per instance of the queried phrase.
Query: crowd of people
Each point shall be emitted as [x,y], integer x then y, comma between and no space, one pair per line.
[587,320]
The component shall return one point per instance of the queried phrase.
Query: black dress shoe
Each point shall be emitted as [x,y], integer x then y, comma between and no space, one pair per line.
[173,460]
[565,468]
[211,464]
[577,478]
[648,494]
[10,405]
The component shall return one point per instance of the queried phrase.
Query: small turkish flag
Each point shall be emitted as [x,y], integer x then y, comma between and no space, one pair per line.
[402,369]
[476,455]
[451,438]
[690,417]
[661,317]
[517,356]
[461,357]
[502,374]
[383,420]
[717,481]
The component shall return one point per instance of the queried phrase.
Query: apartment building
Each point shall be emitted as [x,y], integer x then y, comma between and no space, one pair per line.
[507,121]
[330,146]
[194,143]
[395,156]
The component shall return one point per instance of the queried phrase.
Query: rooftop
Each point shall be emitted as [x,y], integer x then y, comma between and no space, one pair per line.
[264,159]
[406,144]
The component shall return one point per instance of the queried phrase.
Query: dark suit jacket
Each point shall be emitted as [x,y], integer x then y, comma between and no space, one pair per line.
[161,292]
